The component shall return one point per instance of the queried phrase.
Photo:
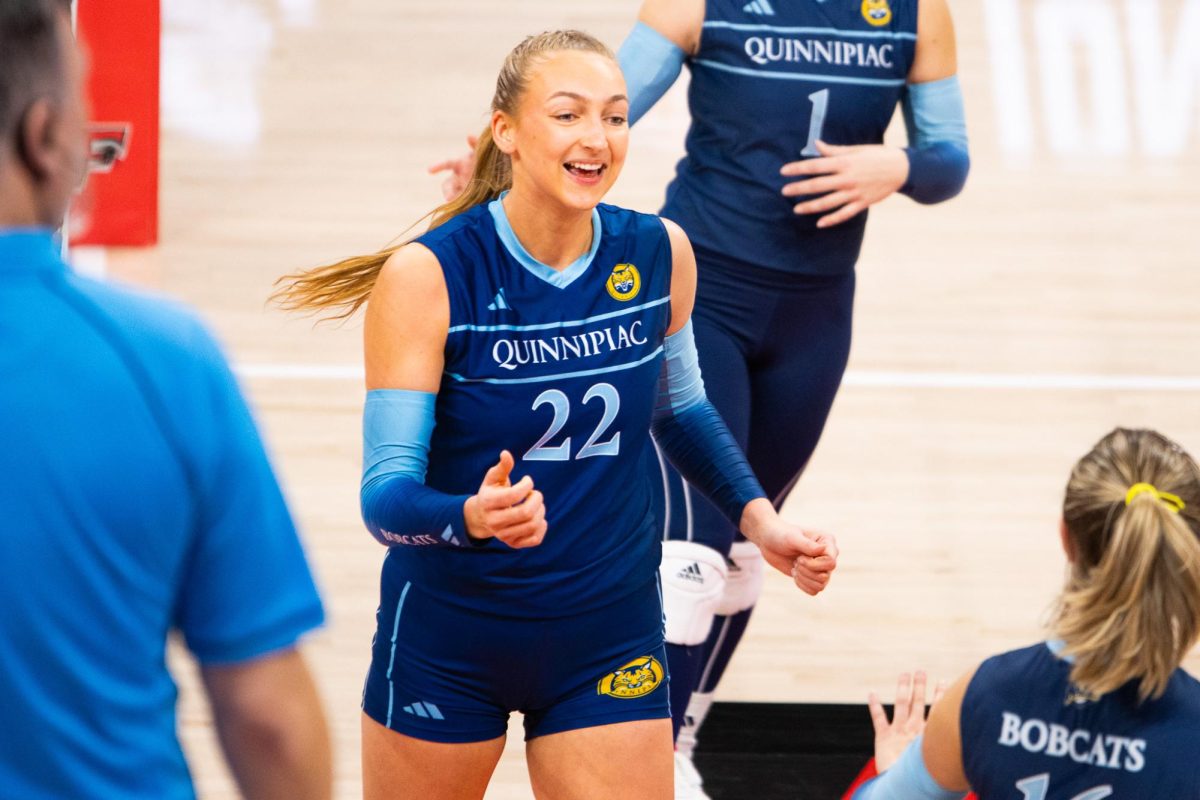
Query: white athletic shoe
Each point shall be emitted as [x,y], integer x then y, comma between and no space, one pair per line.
[688,783]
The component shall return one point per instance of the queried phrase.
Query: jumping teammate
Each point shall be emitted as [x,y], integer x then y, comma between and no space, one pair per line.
[517,356]
[1103,709]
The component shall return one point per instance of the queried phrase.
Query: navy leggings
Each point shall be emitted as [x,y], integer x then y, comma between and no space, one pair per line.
[773,347]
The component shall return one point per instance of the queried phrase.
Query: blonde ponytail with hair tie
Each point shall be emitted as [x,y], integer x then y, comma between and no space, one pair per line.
[1172,501]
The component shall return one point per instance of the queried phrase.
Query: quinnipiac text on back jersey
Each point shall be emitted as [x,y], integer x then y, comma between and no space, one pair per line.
[769,79]
[561,368]
[1027,733]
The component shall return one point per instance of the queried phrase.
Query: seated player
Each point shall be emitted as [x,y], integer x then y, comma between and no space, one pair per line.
[1103,708]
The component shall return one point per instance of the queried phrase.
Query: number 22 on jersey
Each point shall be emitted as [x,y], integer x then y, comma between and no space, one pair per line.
[561,406]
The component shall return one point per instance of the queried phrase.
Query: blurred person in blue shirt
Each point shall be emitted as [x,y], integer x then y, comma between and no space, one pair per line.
[135,500]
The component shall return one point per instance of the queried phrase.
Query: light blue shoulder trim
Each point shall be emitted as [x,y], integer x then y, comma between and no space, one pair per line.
[561,279]
[908,778]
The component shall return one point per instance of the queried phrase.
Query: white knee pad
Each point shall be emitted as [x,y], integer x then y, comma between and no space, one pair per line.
[693,581]
[744,581]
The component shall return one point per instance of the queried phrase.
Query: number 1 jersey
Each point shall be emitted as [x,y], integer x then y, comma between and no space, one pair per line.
[769,79]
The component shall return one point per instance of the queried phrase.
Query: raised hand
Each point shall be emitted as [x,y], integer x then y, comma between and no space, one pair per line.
[460,170]
[514,513]
[849,179]
[908,718]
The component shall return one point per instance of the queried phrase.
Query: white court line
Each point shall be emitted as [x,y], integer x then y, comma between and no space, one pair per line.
[865,379]
[320,372]
[1017,380]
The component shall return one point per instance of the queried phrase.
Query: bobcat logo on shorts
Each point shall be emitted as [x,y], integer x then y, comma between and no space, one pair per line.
[877,12]
[639,677]
[624,283]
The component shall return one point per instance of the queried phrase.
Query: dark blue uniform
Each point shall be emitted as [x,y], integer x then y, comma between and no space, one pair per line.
[764,87]
[1027,734]
[562,369]
[775,294]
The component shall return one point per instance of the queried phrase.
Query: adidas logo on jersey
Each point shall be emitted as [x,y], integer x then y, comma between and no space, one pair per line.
[500,303]
[760,7]
[424,711]
[691,573]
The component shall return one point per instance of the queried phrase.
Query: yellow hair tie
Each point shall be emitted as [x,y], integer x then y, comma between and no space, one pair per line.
[1173,501]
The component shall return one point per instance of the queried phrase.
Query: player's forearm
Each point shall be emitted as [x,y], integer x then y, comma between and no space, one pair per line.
[938,155]
[271,764]
[694,437]
[756,516]
[397,507]
[272,728]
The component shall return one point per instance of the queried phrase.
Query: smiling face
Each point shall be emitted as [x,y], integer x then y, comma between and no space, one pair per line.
[569,133]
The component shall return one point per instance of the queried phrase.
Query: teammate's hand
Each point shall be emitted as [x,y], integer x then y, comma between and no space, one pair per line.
[460,170]
[848,180]
[808,558]
[514,513]
[908,719]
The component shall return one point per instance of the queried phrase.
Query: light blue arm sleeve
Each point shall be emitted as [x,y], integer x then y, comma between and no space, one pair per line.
[694,436]
[397,427]
[397,507]
[933,112]
[908,779]
[651,63]
[938,158]
[680,385]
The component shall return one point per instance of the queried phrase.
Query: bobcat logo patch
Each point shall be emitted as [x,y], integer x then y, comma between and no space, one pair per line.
[877,12]
[637,678]
[624,283]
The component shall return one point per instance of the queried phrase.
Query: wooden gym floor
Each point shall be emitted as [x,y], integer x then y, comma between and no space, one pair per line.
[996,338]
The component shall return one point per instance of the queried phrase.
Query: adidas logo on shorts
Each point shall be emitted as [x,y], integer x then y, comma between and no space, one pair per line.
[691,573]
[424,710]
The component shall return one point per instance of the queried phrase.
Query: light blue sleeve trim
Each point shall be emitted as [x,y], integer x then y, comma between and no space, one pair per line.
[397,428]
[651,63]
[908,778]
[933,112]
[680,385]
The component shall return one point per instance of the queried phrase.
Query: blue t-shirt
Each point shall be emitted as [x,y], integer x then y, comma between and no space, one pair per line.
[561,368]
[768,80]
[1025,733]
[135,498]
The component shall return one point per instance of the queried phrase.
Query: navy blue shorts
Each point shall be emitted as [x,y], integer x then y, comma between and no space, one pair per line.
[449,674]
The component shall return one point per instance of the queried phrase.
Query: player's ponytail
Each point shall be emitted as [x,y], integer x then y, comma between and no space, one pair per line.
[1131,607]
[345,285]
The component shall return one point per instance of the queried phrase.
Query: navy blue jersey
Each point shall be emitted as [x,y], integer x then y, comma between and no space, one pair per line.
[770,78]
[1026,734]
[561,368]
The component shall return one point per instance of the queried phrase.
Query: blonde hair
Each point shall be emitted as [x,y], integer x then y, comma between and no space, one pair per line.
[1131,606]
[347,284]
